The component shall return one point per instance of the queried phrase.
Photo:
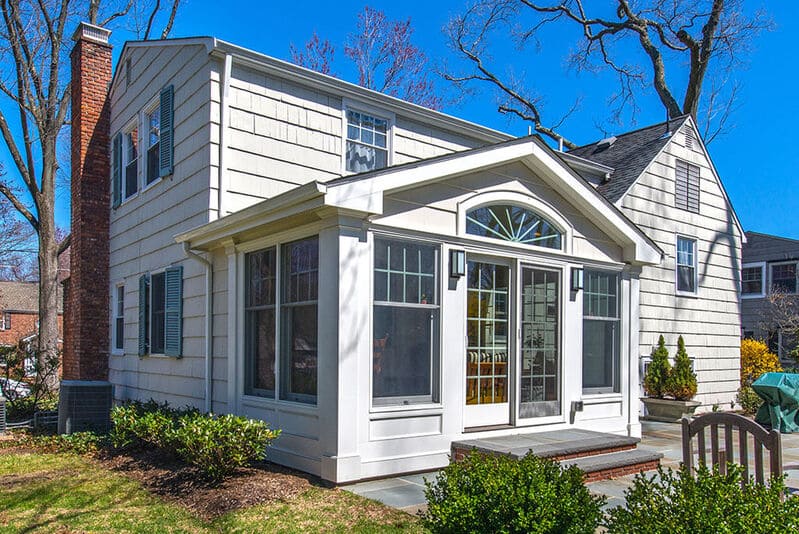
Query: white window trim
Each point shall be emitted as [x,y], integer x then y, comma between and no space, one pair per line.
[763,279]
[3,315]
[114,304]
[347,104]
[771,277]
[134,123]
[604,392]
[144,142]
[523,201]
[677,291]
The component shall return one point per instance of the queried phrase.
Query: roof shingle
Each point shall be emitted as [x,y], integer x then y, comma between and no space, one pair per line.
[23,297]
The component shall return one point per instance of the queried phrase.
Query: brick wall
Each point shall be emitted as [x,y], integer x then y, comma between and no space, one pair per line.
[23,325]
[86,354]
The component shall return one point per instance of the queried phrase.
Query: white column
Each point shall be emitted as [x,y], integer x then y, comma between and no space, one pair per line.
[631,297]
[232,327]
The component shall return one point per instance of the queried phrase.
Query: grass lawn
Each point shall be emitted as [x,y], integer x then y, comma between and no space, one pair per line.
[68,493]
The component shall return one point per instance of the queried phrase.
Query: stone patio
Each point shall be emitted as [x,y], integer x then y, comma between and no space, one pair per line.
[407,492]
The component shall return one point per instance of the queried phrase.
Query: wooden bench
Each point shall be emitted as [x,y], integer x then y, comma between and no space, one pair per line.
[731,423]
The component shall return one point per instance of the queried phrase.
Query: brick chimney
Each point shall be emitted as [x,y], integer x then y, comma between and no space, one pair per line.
[85,390]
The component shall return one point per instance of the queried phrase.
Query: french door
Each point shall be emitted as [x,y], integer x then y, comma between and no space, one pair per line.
[498,304]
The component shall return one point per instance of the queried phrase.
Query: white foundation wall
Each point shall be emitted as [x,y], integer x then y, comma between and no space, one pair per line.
[710,322]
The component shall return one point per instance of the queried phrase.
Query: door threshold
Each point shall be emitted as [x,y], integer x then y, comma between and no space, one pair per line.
[486,428]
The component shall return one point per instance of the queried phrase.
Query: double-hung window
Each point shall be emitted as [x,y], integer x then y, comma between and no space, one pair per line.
[161,312]
[752,284]
[153,138]
[130,161]
[406,311]
[5,321]
[298,314]
[783,277]
[119,318]
[686,265]
[601,332]
[367,142]
[259,309]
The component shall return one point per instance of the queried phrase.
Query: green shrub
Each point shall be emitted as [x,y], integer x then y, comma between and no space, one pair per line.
[674,502]
[681,383]
[220,445]
[655,380]
[485,493]
[216,444]
[748,399]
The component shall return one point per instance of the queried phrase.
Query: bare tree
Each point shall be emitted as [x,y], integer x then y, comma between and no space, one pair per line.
[34,83]
[17,244]
[781,314]
[666,46]
[384,56]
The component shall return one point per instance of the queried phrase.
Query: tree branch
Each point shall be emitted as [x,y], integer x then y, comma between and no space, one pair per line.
[19,206]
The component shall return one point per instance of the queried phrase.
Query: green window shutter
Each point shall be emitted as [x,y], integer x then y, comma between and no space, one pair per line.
[116,170]
[166,147]
[144,281]
[173,345]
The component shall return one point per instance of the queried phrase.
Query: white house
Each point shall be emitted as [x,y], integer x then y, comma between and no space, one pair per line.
[377,279]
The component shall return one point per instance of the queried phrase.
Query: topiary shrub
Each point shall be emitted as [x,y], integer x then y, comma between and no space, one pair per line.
[486,493]
[655,380]
[681,383]
[756,359]
[674,502]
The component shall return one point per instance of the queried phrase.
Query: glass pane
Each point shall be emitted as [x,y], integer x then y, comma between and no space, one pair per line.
[381,286]
[301,265]
[539,322]
[685,279]
[260,349]
[261,279]
[352,132]
[600,355]
[403,348]
[409,269]
[299,353]
[157,308]
[152,164]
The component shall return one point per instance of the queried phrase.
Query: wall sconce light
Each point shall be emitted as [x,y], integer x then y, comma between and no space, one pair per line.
[457,263]
[577,279]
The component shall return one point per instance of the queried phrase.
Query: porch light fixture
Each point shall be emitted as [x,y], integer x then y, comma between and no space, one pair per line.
[457,263]
[577,279]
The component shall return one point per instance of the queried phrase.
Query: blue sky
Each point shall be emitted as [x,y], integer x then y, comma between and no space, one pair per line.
[757,159]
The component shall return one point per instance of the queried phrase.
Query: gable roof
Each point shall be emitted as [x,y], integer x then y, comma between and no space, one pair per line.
[629,155]
[363,194]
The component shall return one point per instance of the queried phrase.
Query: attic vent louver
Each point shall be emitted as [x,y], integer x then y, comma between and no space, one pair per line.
[689,137]
[606,143]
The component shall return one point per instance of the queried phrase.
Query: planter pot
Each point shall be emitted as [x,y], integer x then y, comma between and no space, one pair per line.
[668,410]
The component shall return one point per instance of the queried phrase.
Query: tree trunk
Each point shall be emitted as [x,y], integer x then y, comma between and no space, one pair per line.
[48,281]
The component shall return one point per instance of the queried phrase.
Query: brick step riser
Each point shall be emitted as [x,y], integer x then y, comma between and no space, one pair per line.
[458,454]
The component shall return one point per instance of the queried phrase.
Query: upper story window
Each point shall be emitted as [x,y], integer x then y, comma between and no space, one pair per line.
[153,138]
[687,186]
[686,265]
[119,318]
[5,321]
[783,277]
[367,142]
[752,283]
[513,223]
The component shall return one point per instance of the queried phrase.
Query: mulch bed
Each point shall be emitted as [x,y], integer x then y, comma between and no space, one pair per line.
[185,485]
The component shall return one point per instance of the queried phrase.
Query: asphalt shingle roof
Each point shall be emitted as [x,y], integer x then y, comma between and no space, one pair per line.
[22,297]
[629,155]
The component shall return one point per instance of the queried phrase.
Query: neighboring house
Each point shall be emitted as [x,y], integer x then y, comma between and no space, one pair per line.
[770,265]
[374,278]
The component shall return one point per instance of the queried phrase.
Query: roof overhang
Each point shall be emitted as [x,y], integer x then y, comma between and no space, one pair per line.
[362,195]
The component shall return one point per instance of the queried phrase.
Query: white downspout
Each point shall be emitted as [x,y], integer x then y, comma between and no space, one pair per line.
[209,325]
[224,112]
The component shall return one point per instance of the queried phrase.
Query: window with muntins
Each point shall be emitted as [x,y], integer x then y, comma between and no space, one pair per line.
[752,280]
[153,138]
[687,186]
[367,142]
[601,332]
[259,309]
[130,161]
[406,318]
[686,265]
[298,315]
[513,223]
[783,277]
[5,321]
[161,312]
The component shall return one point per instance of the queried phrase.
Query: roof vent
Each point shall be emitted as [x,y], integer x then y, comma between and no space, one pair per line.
[606,143]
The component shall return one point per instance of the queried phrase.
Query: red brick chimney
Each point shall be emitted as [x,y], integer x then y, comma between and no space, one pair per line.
[85,391]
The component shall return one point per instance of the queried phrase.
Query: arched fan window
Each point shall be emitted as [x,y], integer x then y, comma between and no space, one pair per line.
[513,223]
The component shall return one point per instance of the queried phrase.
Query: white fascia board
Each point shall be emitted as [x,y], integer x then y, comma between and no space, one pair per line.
[207,42]
[305,197]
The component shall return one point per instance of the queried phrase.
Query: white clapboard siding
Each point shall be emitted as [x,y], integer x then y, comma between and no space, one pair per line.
[709,323]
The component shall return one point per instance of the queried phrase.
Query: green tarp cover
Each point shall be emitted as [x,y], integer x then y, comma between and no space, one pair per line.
[780,391]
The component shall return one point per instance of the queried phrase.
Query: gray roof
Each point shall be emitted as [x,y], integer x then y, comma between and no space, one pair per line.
[629,155]
[23,297]
[765,247]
